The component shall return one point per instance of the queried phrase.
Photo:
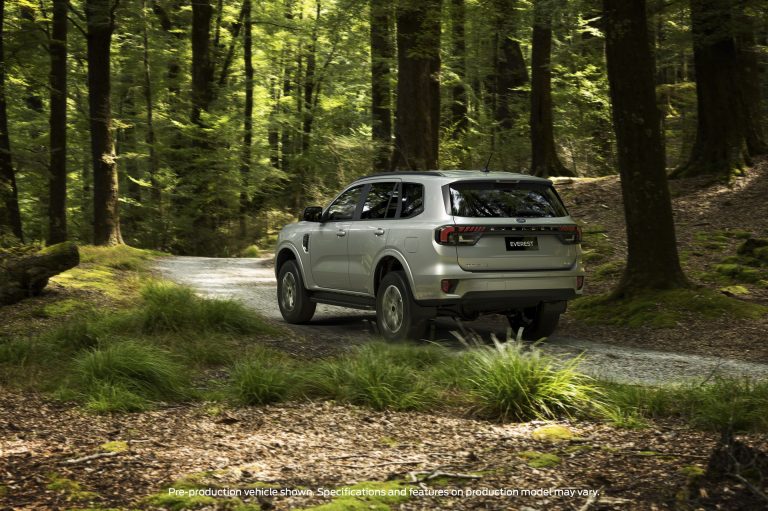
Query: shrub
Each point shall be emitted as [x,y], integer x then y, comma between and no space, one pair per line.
[251,251]
[513,384]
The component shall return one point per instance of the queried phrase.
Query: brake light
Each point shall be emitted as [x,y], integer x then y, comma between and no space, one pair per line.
[570,234]
[459,234]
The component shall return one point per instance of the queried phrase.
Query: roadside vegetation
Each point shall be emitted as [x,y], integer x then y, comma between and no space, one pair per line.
[169,345]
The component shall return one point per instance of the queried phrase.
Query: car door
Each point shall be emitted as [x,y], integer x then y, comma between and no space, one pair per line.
[328,245]
[368,235]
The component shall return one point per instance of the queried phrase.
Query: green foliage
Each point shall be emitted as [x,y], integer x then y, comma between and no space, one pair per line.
[738,405]
[170,308]
[264,376]
[518,384]
[377,375]
[540,459]
[251,251]
[367,495]
[661,309]
[115,375]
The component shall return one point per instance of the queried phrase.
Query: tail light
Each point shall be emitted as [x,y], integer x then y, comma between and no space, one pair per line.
[579,282]
[458,234]
[570,234]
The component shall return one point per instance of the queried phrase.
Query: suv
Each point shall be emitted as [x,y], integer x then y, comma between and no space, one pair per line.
[415,245]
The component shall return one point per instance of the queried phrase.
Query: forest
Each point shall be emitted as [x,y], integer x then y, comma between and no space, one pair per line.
[202,127]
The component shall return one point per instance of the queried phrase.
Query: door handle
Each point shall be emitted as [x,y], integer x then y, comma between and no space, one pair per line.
[341,233]
[379,232]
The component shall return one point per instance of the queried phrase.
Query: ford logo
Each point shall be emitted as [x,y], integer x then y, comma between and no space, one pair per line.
[520,220]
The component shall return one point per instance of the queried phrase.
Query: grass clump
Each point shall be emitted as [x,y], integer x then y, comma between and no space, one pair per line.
[514,384]
[172,308]
[367,495]
[661,309]
[128,376]
[264,376]
[251,251]
[736,405]
[540,459]
[378,375]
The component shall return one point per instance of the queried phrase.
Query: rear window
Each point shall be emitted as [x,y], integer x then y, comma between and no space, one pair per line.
[483,199]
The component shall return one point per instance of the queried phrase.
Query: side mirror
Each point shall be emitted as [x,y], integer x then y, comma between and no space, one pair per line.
[312,214]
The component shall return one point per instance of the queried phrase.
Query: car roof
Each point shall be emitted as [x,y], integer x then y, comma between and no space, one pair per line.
[457,174]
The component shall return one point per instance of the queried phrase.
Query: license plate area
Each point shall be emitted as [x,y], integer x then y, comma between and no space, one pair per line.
[521,243]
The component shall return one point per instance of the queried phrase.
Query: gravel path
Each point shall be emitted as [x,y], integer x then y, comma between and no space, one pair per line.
[252,281]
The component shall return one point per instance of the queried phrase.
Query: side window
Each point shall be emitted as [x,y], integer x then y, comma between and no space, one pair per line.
[412,201]
[344,207]
[381,201]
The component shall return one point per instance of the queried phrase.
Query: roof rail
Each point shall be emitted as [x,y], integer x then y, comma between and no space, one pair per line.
[404,173]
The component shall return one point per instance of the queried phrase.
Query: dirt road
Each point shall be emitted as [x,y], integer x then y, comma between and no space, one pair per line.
[252,281]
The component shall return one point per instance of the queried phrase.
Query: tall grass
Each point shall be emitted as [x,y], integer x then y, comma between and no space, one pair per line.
[128,371]
[512,383]
[377,375]
[264,376]
[171,308]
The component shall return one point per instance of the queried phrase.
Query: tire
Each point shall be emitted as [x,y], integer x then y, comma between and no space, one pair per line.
[537,322]
[397,314]
[292,296]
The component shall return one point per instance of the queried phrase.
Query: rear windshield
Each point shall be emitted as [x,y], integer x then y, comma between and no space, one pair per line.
[483,199]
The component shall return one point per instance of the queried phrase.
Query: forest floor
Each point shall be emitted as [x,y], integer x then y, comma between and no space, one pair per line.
[55,455]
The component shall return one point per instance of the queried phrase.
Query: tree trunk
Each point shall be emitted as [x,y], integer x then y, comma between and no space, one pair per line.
[57,181]
[382,53]
[25,276]
[106,218]
[544,161]
[721,147]
[158,230]
[245,169]
[10,217]
[652,261]
[748,61]
[509,70]
[417,121]
[459,93]
[202,67]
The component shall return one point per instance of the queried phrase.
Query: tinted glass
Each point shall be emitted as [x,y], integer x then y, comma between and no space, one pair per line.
[412,201]
[505,200]
[344,207]
[381,201]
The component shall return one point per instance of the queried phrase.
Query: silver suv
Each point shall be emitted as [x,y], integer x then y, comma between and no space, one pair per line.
[415,245]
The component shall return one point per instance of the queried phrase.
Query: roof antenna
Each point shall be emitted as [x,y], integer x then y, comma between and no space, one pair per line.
[488,162]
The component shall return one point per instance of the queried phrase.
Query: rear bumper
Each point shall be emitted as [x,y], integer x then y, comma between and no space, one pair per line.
[498,301]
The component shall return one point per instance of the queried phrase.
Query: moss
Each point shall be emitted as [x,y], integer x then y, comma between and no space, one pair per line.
[691,471]
[176,502]
[115,446]
[595,243]
[661,309]
[609,270]
[552,433]
[385,495]
[738,272]
[58,308]
[540,459]
[734,290]
[71,489]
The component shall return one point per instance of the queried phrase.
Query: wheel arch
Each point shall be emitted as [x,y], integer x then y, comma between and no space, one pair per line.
[288,253]
[387,262]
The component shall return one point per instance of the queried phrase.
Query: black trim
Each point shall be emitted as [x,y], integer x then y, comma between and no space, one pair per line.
[343,300]
[431,173]
[498,301]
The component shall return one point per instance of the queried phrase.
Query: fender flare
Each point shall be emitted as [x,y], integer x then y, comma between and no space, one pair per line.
[390,252]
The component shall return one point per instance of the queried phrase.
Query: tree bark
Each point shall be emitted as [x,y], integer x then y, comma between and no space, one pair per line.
[748,61]
[25,276]
[509,69]
[721,146]
[544,161]
[652,261]
[158,232]
[245,169]
[106,217]
[382,53]
[459,51]
[57,181]
[202,67]
[417,121]
[10,217]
